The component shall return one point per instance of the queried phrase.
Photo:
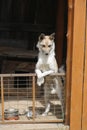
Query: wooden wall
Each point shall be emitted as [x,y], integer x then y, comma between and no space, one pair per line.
[22,21]
[61,29]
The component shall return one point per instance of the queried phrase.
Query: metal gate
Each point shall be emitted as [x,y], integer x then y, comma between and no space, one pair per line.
[23,101]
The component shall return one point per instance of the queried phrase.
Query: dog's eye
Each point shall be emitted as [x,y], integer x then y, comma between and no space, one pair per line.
[49,46]
[43,45]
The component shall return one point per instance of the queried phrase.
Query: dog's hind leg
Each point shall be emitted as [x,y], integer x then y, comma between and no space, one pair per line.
[46,97]
[59,93]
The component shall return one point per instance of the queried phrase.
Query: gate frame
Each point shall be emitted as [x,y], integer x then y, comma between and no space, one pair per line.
[33,75]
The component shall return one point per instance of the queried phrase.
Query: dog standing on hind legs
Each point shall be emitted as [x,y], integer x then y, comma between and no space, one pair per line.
[47,65]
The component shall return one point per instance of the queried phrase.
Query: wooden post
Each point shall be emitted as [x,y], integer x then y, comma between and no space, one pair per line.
[84,116]
[77,64]
[69,59]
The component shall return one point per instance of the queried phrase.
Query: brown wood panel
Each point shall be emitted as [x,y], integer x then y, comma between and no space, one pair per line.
[68,60]
[77,64]
[84,116]
[60,31]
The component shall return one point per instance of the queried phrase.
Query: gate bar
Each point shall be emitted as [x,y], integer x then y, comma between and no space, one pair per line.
[2,97]
[33,91]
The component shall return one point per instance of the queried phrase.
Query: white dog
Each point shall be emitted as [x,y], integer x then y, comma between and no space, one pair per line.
[46,65]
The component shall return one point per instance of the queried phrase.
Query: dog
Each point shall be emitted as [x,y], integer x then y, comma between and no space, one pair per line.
[45,66]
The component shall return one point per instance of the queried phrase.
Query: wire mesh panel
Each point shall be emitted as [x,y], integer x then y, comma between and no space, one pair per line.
[55,112]
[23,101]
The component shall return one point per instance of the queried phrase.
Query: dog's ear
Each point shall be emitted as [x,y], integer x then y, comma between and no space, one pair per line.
[52,36]
[41,37]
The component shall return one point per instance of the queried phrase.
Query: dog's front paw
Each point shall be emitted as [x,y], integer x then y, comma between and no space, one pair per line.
[39,73]
[53,91]
[39,76]
[44,114]
[40,81]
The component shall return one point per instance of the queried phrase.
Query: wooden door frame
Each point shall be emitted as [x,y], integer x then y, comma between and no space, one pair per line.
[69,59]
[59,47]
[75,65]
[84,114]
[76,74]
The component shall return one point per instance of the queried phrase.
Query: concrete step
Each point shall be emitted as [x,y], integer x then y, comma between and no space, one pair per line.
[44,126]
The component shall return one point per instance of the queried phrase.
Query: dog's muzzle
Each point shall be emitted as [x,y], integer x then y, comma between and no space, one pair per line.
[46,54]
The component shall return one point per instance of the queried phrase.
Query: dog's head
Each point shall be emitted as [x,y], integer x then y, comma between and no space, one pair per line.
[46,43]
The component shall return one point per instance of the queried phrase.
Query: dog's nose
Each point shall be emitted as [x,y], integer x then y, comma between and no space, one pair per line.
[46,53]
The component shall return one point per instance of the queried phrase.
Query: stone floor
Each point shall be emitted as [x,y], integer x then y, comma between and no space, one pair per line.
[44,126]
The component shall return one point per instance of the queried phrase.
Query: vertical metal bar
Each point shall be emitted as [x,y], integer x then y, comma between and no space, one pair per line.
[2,97]
[33,94]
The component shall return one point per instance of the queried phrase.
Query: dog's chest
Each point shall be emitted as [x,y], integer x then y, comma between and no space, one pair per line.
[44,63]
[44,67]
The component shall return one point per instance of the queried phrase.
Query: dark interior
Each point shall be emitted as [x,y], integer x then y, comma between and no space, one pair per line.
[22,21]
